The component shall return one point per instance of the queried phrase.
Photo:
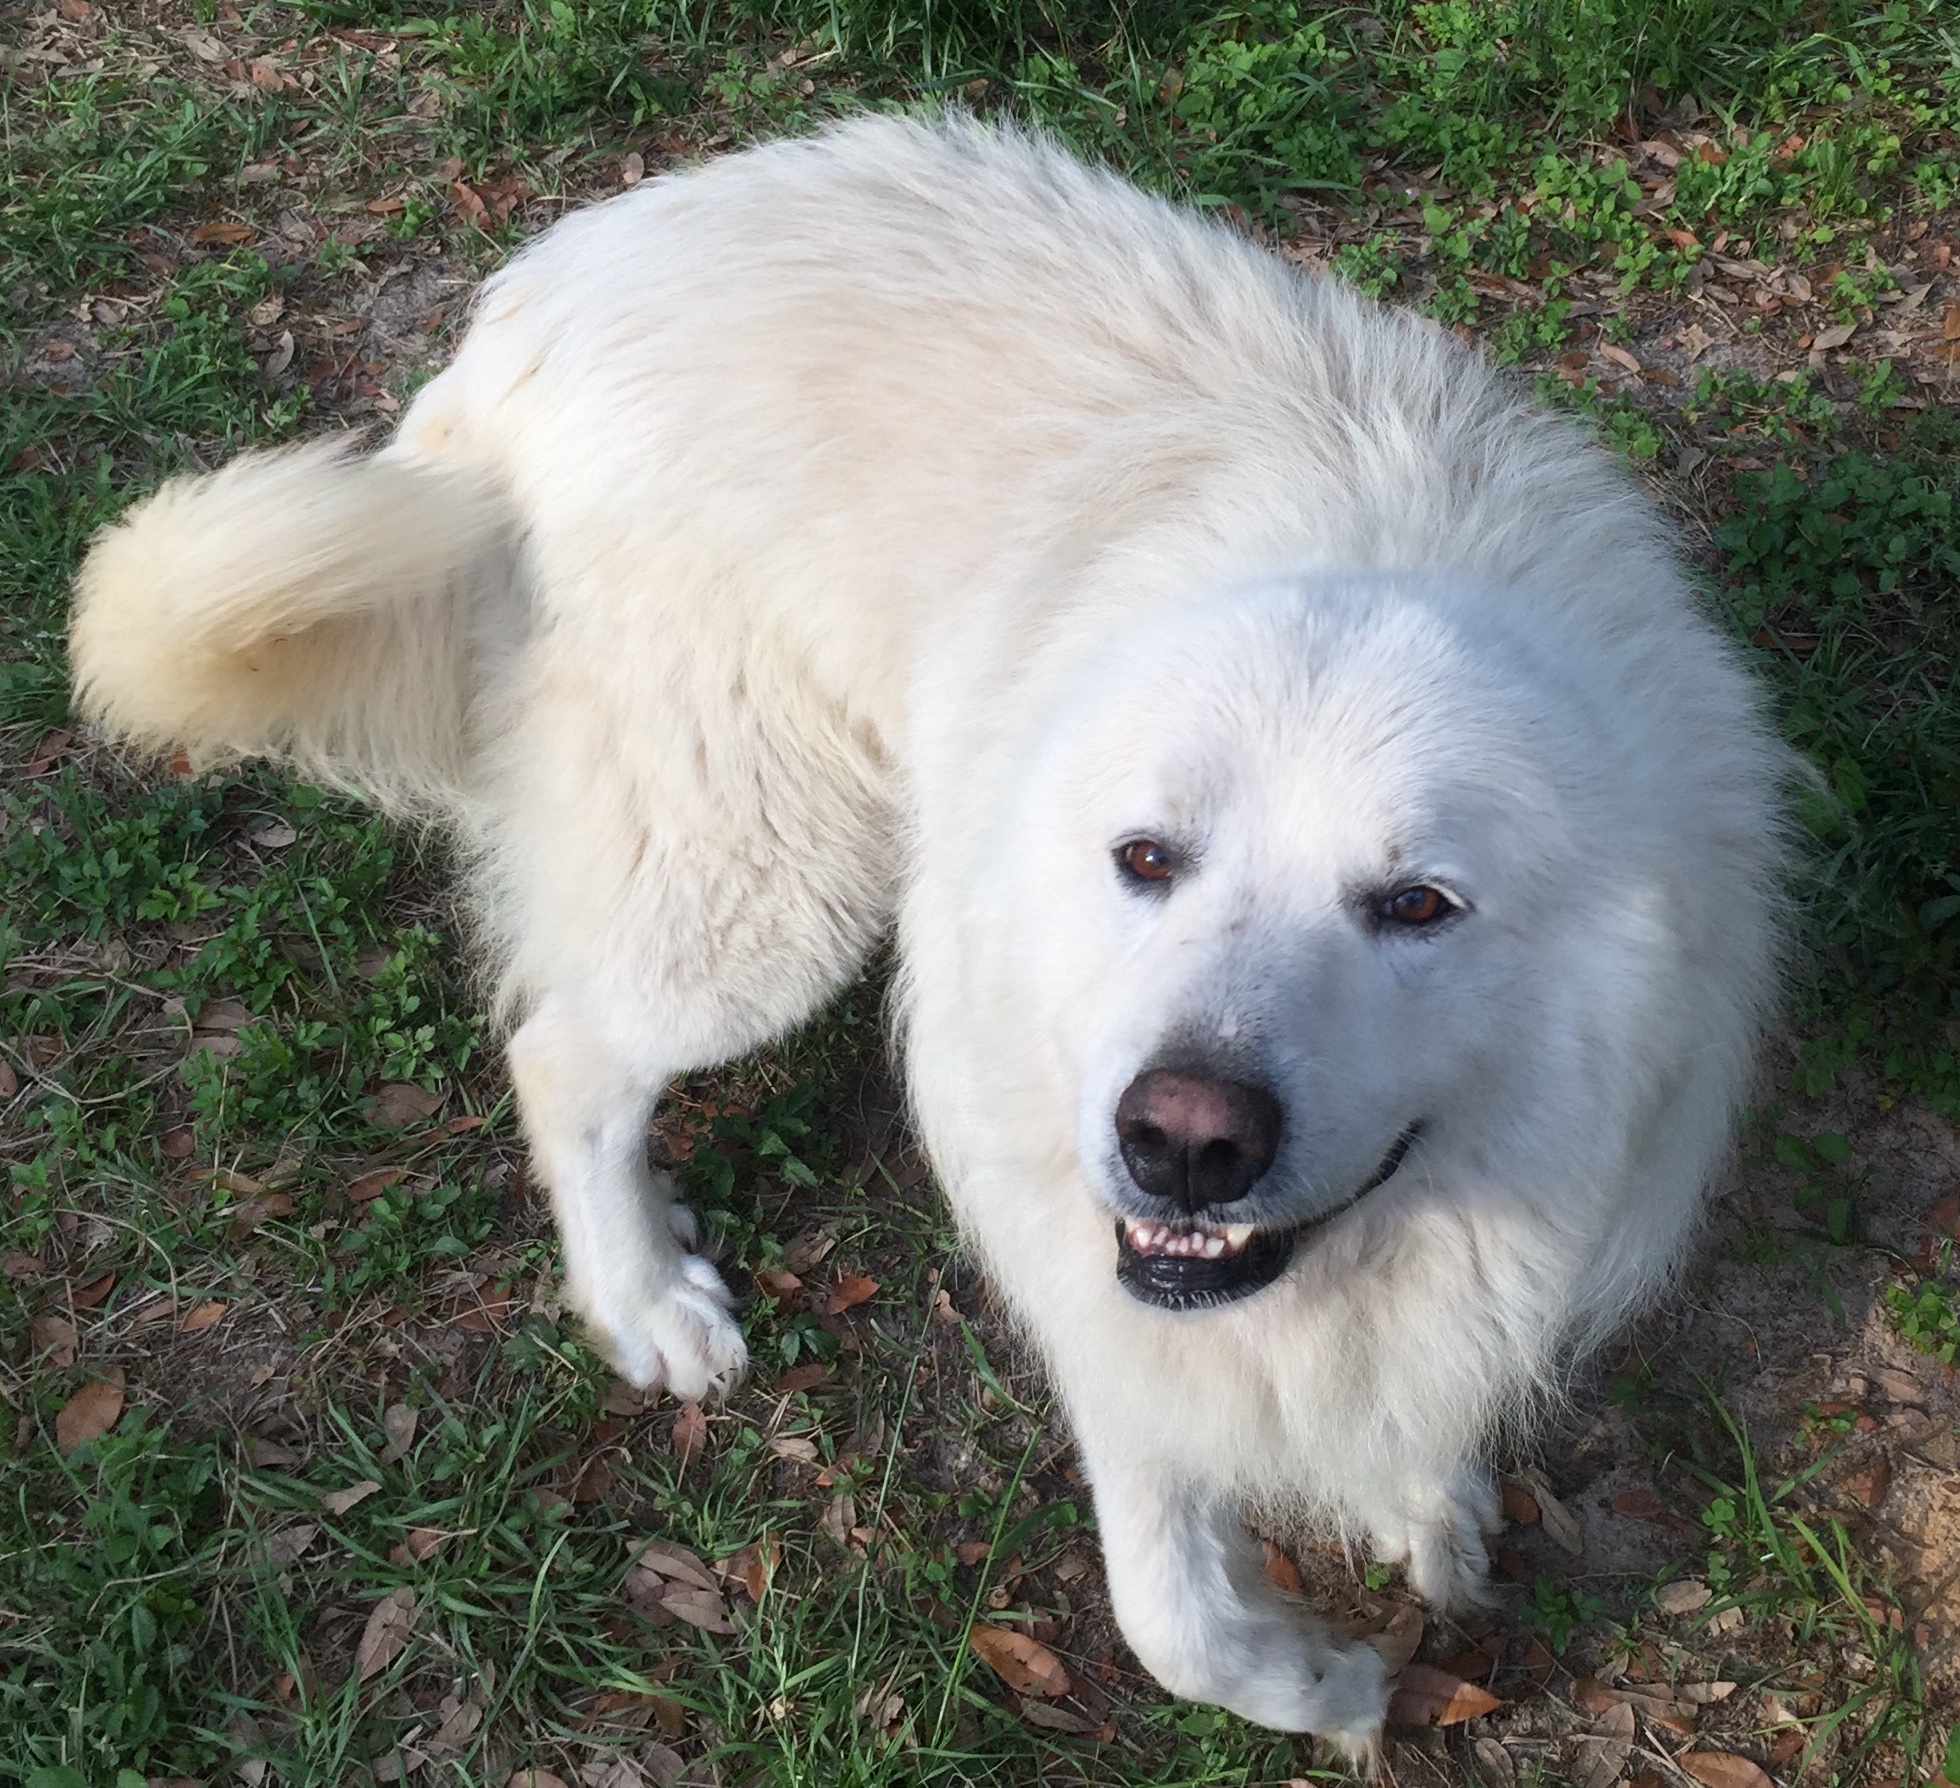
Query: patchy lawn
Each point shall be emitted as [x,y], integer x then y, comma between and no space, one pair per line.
[311,1479]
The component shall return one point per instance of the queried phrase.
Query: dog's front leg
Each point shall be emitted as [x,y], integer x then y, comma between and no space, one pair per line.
[1437,1531]
[1198,1610]
[660,1313]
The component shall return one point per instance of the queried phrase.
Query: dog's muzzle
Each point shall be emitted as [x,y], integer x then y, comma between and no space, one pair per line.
[1188,1265]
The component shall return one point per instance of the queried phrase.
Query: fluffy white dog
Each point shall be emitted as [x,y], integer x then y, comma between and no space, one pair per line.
[1335,869]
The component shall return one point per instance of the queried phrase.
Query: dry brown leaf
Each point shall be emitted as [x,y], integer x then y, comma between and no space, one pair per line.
[55,1337]
[385,1637]
[1701,1694]
[400,1103]
[204,1316]
[689,1436]
[338,1502]
[592,1481]
[92,1292]
[1494,1766]
[178,1143]
[289,1543]
[1426,1696]
[849,1292]
[1603,1755]
[231,234]
[1518,1504]
[20,1266]
[1687,1596]
[372,1185]
[1870,1485]
[798,1447]
[1056,1719]
[1400,1639]
[1472,1664]
[1723,1769]
[776,1285]
[425,1542]
[398,1423]
[9,1080]
[803,1378]
[91,1412]
[460,1719]
[674,1562]
[1282,1570]
[701,1608]
[1559,1523]
[534,1778]
[753,1566]
[1834,337]
[1019,1659]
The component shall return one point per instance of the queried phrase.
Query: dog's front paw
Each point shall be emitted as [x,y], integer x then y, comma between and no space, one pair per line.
[683,1336]
[1443,1545]
[1338,1692]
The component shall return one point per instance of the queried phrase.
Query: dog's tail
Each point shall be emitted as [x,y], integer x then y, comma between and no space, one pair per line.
[306,605]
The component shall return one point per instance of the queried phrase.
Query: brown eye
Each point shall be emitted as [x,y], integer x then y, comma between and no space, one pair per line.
[1145,860]
[1419,905]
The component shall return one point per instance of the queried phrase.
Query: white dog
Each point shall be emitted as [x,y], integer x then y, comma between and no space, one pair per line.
[1335,870]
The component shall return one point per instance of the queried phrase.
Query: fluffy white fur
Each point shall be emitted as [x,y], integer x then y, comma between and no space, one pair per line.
[885,527]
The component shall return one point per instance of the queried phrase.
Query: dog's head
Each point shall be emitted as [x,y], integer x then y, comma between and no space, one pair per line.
[1321,883]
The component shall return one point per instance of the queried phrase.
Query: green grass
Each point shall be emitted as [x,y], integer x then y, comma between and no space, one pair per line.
[1469,158]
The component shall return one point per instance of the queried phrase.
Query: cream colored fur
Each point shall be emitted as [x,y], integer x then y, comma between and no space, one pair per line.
[885,527]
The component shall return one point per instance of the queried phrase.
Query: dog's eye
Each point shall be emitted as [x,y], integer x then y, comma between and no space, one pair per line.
[1417,906]
[1145,860]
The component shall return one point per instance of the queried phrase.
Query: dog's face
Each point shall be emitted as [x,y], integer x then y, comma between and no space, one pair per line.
[1297,868]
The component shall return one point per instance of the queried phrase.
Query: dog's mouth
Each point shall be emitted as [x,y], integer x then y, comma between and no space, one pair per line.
[1198,1266]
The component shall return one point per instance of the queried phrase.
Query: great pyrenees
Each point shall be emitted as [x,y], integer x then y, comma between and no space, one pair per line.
[1335,869]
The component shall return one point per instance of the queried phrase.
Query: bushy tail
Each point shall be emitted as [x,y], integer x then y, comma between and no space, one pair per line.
[307,605]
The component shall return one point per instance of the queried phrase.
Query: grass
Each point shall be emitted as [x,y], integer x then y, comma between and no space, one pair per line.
[262,1164]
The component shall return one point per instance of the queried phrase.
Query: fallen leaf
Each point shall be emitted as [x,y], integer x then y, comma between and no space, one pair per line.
[849,1292]
[400,1103]
[1471,1664]
[1400,1639]
[1704,1693]
[803,1378]
[1644,1505]
[592,1480]
[1426,1696]
[460,1719]
[91,1412]
[385,1637]
[1686,1596]
[178,1143]
[794,1446]
[204,1316]
[971,1552]
[777,1285]
[1282,1570]
[9,1080]
[1834,337]
[1019,1659]
[1870,1485]
[1603,1753]
[1493,1763]
[701,1608]
[95,1291]
[20,1266]
[277,835]
[632,168]
[1557,1520]
[1056,1719]
[1518,1504]
[264,1452]
[230,234]
[753,1566]
[1618,355]
[689,1435]
[55,1337]
[1695,341]
[290,1542]
[398,1423]
[674,1562]
[425,1542]
[370,1186]
[338,1502]
[1723,1769]
[534,1778]
[840,1517]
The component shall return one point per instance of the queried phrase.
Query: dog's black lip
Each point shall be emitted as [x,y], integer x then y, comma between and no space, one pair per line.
[1178,1282]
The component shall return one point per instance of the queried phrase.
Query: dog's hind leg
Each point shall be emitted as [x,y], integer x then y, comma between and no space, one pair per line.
[586,1090]
[1197,1608]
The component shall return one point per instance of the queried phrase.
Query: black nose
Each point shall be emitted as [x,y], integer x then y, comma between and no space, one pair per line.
[1195,1140]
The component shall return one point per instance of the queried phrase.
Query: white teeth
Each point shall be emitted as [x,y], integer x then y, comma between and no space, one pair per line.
[1188,1244]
